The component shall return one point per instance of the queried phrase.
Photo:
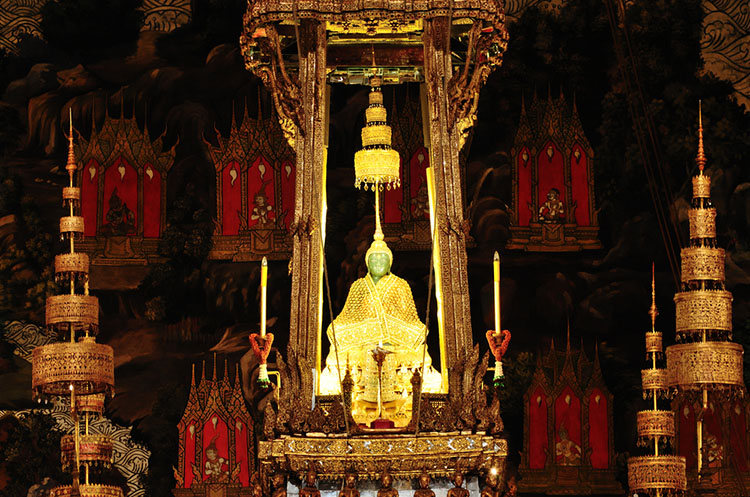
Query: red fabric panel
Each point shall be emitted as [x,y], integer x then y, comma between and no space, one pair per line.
[418,164]
[288,180]
[524,188]
[538,429]
[738,436]
[568,419]
[241,441]
[151,201]
[215,430]
[121,176]
[392,201]
[579,179]
[187,469]
[231,189]
[598,430]
[260,178]
[90,196]
[550,174]
[687,435]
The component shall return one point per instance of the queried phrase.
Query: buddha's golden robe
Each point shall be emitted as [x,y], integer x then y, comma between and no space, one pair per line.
[378,314]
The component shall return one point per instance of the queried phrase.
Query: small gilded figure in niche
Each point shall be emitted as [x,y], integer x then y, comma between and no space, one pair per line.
[310,489]
[553,210]
[255,487]
[458,489]
[350,485]
[567,451]
[262,209]
[279,485]
[421,203]
[424,486]
[492,485]
[120,220]
[216,468]
[386,485]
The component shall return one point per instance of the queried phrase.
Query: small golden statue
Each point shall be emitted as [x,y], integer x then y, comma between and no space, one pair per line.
[350,485]
[279,485]
[458,490]
[424,486]
[492,487]
[310,490]
[386,485]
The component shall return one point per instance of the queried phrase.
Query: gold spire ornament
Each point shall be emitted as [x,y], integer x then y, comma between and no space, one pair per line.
[704,360]
[78,367]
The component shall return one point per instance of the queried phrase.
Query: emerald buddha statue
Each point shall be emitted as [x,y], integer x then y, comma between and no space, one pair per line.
[379,311]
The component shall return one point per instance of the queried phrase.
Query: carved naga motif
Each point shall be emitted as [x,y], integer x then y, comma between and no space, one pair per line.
[485,51]
[262,52]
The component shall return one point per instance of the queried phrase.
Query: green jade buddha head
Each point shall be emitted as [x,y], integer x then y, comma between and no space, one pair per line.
[378,259]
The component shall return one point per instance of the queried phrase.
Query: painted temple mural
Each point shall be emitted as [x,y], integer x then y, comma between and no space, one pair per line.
[218,163]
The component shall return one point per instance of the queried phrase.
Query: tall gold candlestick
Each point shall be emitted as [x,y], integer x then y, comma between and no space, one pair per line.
[496,268]
[263,288]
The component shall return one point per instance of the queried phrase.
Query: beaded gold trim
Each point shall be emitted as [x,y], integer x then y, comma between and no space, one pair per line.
[375,114]
[90,403]
[653,341]
[702,223]
[71,193]
[701,186]
[654,379]
[702,263]
[703,310]
[655,424]
[92,448]
[705,364]
[77,262]
[88,365]
[71,224]
[75,309]
[372,164]
[87,491]
[376,135]
[656,472]
[376,97]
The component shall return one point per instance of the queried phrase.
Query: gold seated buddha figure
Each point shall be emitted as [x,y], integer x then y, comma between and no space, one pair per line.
[379,311]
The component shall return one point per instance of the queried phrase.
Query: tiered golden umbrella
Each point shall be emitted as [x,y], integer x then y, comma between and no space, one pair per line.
[704,359]
[77,367]
[657,473]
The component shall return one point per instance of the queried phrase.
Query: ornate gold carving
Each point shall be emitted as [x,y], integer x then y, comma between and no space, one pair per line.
[377,163]
[702,223]
[75,309]
[71,193]
[90,403]
[375,135]
[438,454]
[92,448]
[371,27]
[376,114]
[702,263]
[705,364]
[701,186]
[87,491]
[71,224]
[657,472]
[87,364]
[77,262]
[703,310]
[653,379]
[653,341]
[655,424]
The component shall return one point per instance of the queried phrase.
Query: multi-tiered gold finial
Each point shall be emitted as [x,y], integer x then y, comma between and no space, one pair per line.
[377,164]
[77,367]
[704,360]
[655,474]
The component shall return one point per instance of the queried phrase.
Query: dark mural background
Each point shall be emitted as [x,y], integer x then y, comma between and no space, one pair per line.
[186,83]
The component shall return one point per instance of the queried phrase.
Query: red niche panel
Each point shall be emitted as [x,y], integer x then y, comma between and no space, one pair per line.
[568,428]
[242,437]
[261,197]
[187,469]
[579,178]
[550,174]
[151,202]
[687,441]
[215,447]
[90,196]
[598,430]
[393,201]
[231,189]
[738,436]
[538,442]
[524,187]
[120,199]
[288,180]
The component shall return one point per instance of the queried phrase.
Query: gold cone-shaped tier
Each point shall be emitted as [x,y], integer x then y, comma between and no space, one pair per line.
[377,163]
